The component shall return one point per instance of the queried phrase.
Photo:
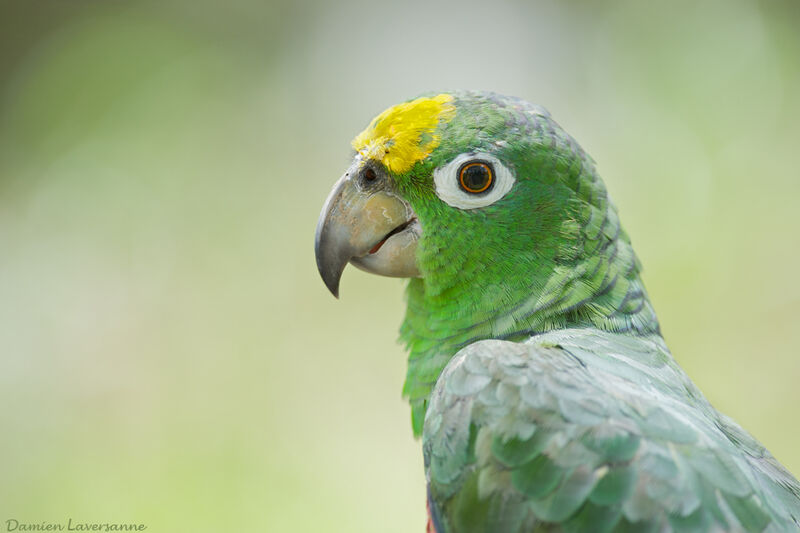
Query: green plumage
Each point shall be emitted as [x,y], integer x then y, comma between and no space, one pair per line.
[544,394]
[594,431]
[549,255]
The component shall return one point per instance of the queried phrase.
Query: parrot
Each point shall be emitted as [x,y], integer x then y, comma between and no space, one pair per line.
[539,382]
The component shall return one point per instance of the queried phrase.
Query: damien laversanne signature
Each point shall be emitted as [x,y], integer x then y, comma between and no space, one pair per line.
[72,525]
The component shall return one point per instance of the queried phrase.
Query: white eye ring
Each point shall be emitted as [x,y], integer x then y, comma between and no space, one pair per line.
[448,186]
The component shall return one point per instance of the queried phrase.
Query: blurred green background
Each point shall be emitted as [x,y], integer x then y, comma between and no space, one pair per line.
[169,354]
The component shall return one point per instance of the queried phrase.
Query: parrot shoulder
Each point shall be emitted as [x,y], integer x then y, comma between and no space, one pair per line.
[584,430]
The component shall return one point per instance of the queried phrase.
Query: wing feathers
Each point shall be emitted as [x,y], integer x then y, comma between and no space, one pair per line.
[580,430]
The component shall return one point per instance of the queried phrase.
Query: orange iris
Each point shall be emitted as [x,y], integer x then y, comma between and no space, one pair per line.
[475,177]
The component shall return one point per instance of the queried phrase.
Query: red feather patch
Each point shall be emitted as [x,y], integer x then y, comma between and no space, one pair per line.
[429,528]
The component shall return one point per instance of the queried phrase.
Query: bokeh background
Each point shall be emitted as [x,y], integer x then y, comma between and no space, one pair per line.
[169,354]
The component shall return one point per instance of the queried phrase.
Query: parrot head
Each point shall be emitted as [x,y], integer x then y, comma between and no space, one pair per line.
[446,188]
[496,215]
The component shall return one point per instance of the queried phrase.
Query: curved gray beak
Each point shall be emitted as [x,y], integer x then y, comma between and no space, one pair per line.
[365,223]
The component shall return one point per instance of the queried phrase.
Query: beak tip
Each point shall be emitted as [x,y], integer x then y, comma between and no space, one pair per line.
[334,288]
[331,253]
[330,269]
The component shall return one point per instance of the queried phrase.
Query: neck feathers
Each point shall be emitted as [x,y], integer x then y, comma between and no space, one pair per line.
[588,277]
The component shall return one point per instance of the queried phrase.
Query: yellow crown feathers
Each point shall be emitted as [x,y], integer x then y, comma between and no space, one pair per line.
[405,133]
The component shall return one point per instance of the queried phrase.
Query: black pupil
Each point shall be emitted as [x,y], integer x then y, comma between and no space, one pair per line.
[475,177]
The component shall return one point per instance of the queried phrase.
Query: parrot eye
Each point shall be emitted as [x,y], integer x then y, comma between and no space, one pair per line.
[472,180]
[476,177]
